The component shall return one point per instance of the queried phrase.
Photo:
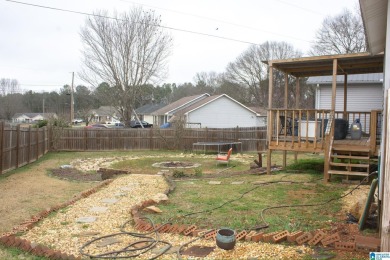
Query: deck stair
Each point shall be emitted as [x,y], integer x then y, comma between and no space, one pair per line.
[349,161]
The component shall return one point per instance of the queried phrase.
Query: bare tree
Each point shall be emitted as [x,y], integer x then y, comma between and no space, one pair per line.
[126,51]
[209,81]
[9,86]
[249,71]
[340,34]
[10,98]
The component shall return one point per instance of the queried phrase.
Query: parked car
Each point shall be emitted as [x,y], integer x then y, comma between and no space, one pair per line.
[137,124]
[116,125]
[97,126]
[77,121]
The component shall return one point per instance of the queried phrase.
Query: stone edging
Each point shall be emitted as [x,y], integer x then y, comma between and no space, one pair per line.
[313,238]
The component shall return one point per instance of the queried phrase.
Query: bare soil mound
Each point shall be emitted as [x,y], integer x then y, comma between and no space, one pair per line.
[75,175]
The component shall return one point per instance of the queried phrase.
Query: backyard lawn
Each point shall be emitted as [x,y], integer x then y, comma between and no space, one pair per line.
[209,195]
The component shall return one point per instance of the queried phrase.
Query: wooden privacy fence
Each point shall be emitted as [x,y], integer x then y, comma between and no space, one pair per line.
[20,146]
[89,139]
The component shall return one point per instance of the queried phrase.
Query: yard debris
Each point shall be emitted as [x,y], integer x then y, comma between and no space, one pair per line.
[153,209]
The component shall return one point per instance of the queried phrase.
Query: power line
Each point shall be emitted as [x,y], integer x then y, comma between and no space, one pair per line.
[113,18]
[222,21]
[300,7]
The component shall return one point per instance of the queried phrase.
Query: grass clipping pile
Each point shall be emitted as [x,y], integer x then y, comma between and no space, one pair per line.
[62,231]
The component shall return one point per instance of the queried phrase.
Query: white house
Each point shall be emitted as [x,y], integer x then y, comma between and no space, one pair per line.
[32,117]
[104,114]
[165,114]
[365,92]
[220,111]
[145,112]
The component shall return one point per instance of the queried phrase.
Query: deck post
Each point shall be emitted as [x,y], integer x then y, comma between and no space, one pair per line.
[345,96]
[285,90]
[285,114]
[297,101]
[269,122]
[334,84]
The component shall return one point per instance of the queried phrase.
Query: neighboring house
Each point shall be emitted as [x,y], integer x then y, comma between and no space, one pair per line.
[145,112]
[219,111]
[164,114]
[32,117]
[365,92]
[104,114]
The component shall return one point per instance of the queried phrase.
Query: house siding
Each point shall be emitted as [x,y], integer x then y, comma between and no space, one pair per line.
[360,98]
[223,113]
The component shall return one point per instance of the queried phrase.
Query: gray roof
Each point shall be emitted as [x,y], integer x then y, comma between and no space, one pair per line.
[104,111]
[179,103]
[208,100]
[149,108]
[354,78]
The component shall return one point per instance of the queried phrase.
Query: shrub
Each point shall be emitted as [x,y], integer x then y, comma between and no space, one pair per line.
[178,174]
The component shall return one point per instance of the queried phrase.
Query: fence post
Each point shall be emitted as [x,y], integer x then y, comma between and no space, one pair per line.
[37,142]
[29,144]
[17,146]
[85,139]
[151,133]
[44,139]
[1,146]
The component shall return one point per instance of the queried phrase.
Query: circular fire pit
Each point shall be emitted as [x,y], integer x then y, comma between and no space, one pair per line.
[176,164]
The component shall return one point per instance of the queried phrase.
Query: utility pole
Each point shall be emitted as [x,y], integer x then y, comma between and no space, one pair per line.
[71,101]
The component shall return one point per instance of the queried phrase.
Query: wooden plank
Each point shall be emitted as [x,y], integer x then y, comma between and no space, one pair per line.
[356,148]
[17,145]
[269,124]
[345,96]
[334,85]
[285,90]
[354,157]
[350,165]
[36,133]
[384,181]
[348,173]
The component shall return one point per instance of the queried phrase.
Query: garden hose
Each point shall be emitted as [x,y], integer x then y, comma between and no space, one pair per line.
[152,242]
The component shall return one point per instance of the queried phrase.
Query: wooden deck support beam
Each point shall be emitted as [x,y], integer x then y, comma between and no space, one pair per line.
[269,126]
[345,96]
[285,114]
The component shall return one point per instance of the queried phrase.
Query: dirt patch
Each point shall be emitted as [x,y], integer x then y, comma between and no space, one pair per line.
[75,175]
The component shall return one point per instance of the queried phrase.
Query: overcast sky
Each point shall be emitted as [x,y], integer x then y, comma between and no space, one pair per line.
[41,47]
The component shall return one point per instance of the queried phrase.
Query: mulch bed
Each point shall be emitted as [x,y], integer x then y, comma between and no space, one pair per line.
[75,175]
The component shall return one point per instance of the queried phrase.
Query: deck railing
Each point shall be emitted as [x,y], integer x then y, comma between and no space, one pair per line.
[298,129]
[304,129]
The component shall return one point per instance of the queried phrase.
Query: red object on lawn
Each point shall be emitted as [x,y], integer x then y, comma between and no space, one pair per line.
[224,158]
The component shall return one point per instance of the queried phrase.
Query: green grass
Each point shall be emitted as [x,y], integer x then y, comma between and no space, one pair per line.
[244,213]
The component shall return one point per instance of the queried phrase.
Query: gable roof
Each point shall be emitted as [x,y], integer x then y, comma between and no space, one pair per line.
[354,78]
[149,108]
[104,111]
[259,110]
[32,115]
[181,103]
[208,100]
